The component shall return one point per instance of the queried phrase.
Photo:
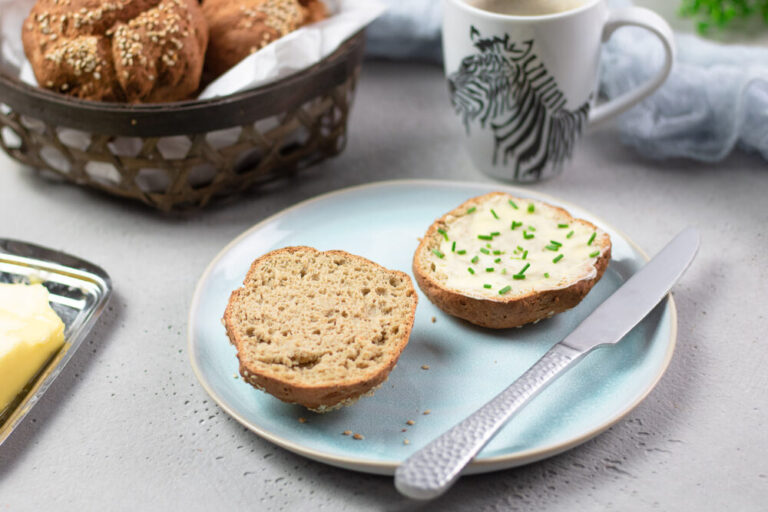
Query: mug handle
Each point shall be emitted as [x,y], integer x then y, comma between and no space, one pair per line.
[649,20]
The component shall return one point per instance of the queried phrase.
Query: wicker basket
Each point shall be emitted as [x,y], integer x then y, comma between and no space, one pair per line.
[181,155]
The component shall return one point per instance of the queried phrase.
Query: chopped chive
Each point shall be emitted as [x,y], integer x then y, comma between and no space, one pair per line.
[503,271]
[442,232]
[486,286]
[485,237]
[505,290]
[531,208]
[515,224]
[520,248]
[495,233]
[474,260]
[531,228]
[484,250]
[518,276]
[592,238]
[490,269]
[555,242]
[527,235]
[525,254]
[596,253]
[471,270]
[488,245]
[497,260]
[546,274]
[471,210]
[453,246]
[494,214]
[569,235]
[561,226]
[497,252]
[522,270]
[552,247]
[461,251]
[513,205]
[438,253]
[557,258]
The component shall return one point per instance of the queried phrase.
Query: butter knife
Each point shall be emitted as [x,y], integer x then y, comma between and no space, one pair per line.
[431,471]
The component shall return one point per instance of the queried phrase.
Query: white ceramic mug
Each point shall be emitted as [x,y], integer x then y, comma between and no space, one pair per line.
[525,86]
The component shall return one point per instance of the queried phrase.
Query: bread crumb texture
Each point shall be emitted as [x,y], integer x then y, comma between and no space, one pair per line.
[319,328]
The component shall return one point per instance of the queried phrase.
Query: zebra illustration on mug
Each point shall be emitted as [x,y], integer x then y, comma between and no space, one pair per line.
[508,88]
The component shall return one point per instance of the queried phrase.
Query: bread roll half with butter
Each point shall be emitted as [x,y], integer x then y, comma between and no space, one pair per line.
[500,261]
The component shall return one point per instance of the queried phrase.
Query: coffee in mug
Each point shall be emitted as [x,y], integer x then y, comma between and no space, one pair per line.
[526,7]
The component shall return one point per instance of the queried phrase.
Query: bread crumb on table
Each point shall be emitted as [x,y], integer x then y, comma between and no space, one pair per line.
[410,422]
[347,433]
[302,419]
[358,436]
[426,412]
[406,441]
[434,319]
[425,367]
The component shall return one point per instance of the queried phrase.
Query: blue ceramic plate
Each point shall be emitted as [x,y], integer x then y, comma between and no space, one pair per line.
[467,365]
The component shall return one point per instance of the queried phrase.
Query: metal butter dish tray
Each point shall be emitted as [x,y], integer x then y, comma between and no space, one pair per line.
[78,290]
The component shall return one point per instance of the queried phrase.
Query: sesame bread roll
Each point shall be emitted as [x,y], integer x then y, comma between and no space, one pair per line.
[241,27]
[122,50]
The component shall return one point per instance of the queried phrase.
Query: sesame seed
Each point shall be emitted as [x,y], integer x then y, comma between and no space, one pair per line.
[358,437]
[410,422]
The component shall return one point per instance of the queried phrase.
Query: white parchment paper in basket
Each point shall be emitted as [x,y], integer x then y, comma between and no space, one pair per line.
[288,55]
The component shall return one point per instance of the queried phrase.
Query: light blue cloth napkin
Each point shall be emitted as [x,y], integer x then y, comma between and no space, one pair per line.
[715,98]
[410,29]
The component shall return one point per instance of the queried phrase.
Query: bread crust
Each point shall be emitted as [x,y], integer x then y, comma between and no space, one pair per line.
[328,395]
[241,27]
[502,312]
[137,51]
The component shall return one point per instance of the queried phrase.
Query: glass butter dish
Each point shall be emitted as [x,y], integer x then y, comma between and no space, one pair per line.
[78,292]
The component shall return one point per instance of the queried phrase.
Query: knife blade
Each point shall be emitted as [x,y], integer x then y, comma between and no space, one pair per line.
[431,471]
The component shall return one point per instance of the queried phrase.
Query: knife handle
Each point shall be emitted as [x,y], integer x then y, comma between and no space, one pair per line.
[432,470]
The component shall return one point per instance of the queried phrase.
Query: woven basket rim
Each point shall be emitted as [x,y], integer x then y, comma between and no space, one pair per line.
[163,119]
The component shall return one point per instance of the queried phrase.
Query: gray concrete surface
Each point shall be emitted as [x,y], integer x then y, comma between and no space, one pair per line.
[127,426]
